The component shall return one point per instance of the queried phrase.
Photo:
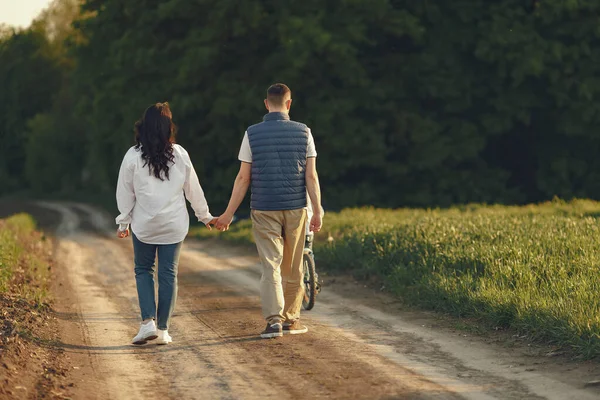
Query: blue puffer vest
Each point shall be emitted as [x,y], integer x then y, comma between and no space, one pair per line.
[279,148]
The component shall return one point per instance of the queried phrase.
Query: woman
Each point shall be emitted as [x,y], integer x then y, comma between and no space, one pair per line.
[155,175]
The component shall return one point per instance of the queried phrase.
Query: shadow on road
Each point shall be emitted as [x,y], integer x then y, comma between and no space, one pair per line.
[147,348]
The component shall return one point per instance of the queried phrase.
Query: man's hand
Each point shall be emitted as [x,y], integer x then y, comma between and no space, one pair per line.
[316,222]
[223,222]
[211,222]
[122,234]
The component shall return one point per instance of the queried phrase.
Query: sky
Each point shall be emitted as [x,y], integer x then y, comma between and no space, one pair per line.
[20,12]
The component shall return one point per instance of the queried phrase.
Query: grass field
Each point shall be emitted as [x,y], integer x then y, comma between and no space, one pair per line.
[24,259]
[535,269]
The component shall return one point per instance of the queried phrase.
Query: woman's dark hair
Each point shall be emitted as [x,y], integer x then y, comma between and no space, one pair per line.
[155,135]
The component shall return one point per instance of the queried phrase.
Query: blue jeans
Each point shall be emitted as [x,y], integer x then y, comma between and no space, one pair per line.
[168,260]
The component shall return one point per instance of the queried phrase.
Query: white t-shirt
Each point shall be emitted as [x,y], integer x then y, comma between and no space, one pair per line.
[156,209]
[245,154]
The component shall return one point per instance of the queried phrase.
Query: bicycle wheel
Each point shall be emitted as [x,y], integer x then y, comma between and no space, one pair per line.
[310,282]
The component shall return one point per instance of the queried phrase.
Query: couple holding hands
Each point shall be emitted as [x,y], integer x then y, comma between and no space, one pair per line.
[278,162]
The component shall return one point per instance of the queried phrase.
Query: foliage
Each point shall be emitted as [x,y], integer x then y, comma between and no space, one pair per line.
[411,103]
[29,77]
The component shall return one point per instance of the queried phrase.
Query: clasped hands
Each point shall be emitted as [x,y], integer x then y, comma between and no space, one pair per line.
[221,223]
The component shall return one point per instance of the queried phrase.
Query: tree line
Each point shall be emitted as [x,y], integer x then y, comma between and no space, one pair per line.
[411,103]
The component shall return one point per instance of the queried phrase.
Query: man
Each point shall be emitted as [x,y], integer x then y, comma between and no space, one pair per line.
[278,159]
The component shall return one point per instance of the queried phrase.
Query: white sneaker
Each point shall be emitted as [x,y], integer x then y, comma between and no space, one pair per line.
[147,332]
[163,337]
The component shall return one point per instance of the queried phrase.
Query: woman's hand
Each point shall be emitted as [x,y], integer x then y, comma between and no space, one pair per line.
[211,222]
[122,234]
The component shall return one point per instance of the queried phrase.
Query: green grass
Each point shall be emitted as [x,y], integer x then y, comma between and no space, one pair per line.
[534,269]
[24,259]
[239,232]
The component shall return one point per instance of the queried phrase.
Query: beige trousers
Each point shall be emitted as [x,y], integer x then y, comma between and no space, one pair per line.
[279,237]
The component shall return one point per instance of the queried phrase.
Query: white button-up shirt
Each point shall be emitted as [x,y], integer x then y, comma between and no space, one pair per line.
[156,209]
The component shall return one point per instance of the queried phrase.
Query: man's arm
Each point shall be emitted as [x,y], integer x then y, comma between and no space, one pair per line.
[314,193]
[240,188]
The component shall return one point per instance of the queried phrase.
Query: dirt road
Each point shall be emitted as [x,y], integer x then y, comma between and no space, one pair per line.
[359,346]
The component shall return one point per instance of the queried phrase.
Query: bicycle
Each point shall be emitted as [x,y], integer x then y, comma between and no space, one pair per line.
[311,279]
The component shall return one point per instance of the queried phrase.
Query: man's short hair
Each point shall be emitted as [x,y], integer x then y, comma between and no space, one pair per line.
[278,93]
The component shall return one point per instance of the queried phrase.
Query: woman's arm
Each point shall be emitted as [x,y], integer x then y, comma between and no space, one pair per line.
[125,195]
[195,195]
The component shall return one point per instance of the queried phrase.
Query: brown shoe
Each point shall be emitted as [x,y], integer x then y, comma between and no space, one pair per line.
[272,331]
[294,328]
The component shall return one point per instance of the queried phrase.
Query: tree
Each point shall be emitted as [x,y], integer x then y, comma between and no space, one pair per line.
[30,77]
[411,103]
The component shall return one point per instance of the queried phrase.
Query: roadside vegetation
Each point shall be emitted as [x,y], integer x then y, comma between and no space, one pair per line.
[24,259]
[28,368]
[534,269]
